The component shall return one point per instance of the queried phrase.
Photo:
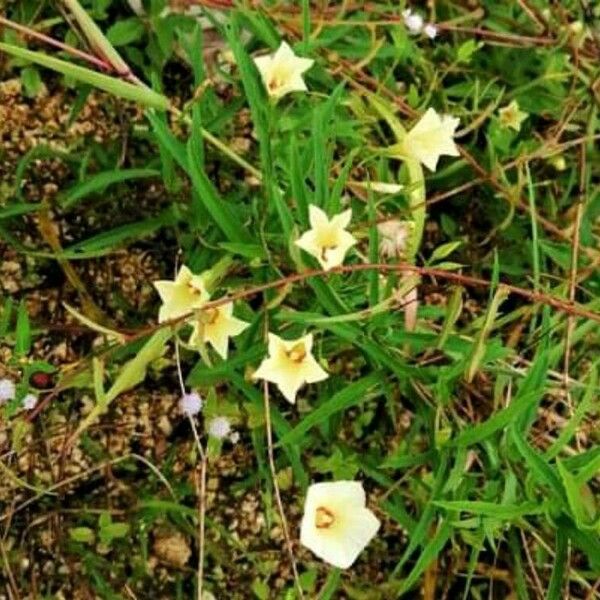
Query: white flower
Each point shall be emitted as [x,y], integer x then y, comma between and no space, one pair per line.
[29,402]
[181,296]
[7,390]
[413,21]
[290,365]
[512,116]
[336,524]
[219,427]
[429,139]
[216,325]
[190,404]
[282,72]
[393,237]
[430,30]
[327,240]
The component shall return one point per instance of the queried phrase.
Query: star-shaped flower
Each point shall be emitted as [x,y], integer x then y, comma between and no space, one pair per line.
[512,116]
[181,296]
[429,139]
[290,365]
[336,524]
[327,240]
[215,326]
[282,72]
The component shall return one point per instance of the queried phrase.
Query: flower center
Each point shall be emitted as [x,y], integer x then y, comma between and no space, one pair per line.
[210,315]
[278,78]
[193,289]
[324,518]
[326,249]
[298,353]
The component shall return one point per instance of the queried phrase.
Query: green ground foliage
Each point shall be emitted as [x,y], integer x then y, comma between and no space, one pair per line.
[461,349]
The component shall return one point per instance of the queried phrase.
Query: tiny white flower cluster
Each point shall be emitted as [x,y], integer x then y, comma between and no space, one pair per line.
[8,392]
[415,24]
[191,403]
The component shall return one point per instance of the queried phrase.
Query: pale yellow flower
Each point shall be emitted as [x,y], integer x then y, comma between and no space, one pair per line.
[215,326]
[430,138]
[327,240]
[290,365]
[336,524]
[282,72]
[181,296]
[512,116]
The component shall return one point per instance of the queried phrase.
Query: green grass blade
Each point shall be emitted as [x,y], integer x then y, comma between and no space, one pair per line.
[431,551]
[100,181]
[506,512]
[352,395]
[95,37]
[112,85]
[220,212]
[561,547]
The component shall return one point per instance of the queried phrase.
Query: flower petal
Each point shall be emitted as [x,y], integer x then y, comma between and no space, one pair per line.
[342,220]
[317,217]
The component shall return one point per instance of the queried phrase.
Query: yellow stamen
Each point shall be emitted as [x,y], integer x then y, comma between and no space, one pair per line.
[324,518]
[298,353]
[210,315]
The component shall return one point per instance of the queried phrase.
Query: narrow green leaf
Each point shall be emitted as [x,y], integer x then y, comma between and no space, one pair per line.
[574,496]
[6,316]
[355,393]
[223,217]
[429,554]
[419,534]
[168,141]
[568,431]
[112,85]
[131,374]
[331,585]
[100,181]
[298,182]
[561,547]
[18,209]
[112,239]
[506,512]
[499,420]
[23,331]
[480,344]
[95,37]
[541,470]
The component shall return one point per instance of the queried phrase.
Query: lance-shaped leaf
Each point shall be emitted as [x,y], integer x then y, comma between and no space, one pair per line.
[112,85]
[132,373]
[95,37]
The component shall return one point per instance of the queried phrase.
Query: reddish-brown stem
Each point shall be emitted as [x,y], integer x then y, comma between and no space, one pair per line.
[567,307]
[56,43]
